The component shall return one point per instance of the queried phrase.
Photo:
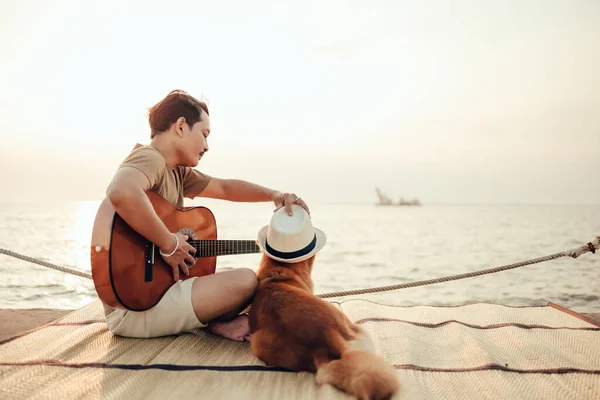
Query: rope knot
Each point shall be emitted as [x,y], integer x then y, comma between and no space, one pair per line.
[591,247]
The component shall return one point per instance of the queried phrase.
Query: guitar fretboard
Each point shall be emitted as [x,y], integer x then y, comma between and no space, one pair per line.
[210,248]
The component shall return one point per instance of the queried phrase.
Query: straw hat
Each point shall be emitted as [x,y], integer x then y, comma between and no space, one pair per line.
[291,239]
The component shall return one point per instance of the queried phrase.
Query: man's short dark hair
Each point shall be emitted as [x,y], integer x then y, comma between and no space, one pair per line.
[177,103]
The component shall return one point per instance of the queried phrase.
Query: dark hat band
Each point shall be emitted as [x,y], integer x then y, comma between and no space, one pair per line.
[291,254]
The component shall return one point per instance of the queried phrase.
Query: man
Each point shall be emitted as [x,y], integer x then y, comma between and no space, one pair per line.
[180,127]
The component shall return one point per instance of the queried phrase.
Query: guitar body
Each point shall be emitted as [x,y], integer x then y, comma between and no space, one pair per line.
[127,269]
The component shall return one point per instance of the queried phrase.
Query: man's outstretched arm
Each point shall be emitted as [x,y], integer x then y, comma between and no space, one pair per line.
[243,191]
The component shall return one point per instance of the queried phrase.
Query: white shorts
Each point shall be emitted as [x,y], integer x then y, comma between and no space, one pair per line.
[173,314]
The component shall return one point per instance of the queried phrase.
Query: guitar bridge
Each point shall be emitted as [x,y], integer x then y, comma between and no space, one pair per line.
[149,261]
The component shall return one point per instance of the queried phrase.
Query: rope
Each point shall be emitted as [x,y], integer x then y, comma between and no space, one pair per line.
[574,253]
[588,247]
[45,263]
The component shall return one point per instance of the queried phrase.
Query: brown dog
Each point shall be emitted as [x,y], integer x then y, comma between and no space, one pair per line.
[292,328]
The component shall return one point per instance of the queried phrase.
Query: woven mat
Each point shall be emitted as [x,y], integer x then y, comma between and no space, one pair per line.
[478,351]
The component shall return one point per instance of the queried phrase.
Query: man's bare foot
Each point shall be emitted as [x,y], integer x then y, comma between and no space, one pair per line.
[237,329]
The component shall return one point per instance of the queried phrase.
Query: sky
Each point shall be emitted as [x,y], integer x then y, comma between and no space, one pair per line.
[449,101]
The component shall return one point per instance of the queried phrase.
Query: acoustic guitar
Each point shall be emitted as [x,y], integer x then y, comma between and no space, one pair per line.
[127,269]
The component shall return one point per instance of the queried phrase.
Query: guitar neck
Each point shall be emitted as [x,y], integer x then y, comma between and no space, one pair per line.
[210,248]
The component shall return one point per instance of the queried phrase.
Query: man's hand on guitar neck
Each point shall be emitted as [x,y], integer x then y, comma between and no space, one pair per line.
[179,256]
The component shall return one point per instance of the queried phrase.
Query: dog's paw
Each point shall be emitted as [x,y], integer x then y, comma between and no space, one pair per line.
[322,377]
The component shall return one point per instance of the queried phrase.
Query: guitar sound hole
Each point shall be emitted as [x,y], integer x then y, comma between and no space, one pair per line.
[191,237]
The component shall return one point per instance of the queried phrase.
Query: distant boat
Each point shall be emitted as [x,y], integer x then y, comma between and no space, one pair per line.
[384,200]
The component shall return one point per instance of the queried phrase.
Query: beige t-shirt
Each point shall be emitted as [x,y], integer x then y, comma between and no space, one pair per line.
[172,185]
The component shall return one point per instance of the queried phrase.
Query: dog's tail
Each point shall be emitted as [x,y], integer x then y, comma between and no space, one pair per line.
[361,374]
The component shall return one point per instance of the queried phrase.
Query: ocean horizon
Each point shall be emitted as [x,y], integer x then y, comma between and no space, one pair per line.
[368,246]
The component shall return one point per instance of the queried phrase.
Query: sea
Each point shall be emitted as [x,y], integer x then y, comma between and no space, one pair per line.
[368,246]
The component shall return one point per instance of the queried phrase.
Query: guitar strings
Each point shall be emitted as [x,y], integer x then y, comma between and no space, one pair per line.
[216,247]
